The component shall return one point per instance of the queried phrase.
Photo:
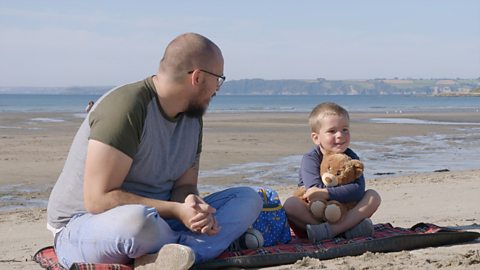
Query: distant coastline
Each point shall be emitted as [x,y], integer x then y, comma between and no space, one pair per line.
[470,94]
[319,86]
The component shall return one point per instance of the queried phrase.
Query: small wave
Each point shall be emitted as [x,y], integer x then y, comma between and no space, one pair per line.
[47,120]
[80,115]
[10,127]
[416,121]
[258,109]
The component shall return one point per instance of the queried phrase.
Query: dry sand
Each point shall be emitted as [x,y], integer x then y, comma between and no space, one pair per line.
[32,154]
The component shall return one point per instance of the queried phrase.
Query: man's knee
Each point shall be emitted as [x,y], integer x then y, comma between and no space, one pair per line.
[138,221]
[253,198]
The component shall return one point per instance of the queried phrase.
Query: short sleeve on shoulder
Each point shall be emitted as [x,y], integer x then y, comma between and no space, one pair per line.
[119,117]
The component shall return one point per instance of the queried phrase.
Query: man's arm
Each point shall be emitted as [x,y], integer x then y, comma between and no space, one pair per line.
[186,190]
[187,183]
[105,171]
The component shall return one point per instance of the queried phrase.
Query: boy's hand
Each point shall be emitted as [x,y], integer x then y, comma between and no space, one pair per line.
[316,194]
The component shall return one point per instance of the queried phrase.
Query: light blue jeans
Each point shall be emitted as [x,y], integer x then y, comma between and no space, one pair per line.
[130,231]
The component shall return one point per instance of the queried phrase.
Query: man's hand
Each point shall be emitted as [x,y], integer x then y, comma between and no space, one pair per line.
[198,216]
[316,194]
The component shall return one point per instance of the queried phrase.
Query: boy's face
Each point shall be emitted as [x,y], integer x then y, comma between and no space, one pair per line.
[334,134]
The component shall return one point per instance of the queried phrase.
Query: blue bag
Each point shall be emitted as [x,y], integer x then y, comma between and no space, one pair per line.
[272,221]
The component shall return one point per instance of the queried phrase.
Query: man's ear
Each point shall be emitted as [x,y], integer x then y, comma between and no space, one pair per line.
[195,78]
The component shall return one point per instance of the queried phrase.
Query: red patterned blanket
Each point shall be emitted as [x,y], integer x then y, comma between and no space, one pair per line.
[386,238]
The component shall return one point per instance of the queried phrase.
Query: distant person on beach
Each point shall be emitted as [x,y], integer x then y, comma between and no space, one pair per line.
[89,106]
[128,189]
[330,125]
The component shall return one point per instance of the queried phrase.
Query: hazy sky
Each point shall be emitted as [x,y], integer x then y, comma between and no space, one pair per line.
[67,43]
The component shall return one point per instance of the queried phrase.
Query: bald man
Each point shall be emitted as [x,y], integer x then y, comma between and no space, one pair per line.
[128,189]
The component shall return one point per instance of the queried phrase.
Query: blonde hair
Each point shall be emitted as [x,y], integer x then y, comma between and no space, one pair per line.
[322,110]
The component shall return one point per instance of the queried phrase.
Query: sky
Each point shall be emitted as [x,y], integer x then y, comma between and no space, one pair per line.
[100,43]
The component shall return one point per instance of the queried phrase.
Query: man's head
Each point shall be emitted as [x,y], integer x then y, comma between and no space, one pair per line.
[194,59]
[330,125]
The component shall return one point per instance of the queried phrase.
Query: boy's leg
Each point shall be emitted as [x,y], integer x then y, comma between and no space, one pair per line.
[115,236]
[362,229]
[363,210]
[298,213]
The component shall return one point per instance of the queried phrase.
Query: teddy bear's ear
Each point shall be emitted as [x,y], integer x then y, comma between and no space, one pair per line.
[358,167]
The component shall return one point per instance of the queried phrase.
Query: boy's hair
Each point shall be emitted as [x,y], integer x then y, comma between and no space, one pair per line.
[322,110]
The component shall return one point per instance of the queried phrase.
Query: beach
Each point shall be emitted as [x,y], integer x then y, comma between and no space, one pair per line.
[244,148]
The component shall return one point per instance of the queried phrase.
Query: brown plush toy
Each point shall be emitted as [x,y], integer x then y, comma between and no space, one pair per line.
[335,169]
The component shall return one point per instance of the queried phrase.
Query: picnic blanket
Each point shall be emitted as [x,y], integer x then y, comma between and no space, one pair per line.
[386,238]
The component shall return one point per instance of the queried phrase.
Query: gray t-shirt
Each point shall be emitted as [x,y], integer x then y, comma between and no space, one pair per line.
[130,119]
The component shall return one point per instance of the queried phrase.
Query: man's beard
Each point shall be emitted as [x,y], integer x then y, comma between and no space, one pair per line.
[195,110]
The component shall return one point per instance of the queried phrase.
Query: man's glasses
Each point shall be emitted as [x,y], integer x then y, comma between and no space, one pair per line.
[220,79]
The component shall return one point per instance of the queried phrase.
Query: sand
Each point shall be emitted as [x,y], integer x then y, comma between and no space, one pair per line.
[32,155]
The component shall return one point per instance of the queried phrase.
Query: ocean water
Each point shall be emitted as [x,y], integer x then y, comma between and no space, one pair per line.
[257,103]
[396,156]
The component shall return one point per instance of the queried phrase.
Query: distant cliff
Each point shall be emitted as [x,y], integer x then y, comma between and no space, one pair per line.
[319,86]
[351,87]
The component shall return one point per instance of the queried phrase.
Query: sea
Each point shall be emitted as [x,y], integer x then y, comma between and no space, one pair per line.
[261,103]
[393,157]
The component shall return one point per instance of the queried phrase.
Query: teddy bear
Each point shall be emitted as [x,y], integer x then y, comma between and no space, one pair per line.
[335,169]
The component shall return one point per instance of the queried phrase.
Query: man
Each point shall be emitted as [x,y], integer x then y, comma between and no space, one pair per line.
[128,189]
